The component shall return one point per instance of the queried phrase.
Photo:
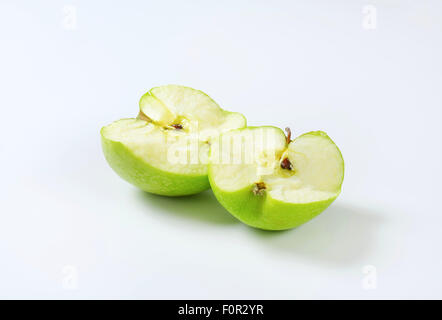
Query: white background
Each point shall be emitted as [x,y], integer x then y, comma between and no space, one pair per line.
[71,228]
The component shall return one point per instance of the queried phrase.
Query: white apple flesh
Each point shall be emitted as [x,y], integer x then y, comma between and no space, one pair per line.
[164,151]
[270,183]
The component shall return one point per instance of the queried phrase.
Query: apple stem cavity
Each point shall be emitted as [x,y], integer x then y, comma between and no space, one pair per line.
[259,188]
[289,134]
[177,126]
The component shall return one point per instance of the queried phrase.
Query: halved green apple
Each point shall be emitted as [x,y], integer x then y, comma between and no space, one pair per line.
[165,149]
[270,182]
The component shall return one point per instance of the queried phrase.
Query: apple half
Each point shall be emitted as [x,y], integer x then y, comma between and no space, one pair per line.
[270,182]
[165,149]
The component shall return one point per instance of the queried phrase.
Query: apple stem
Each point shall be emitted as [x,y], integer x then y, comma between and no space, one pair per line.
[259,189]
[289,134]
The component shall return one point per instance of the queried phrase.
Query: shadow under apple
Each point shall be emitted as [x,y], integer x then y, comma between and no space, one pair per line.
[342,234]
[202,207]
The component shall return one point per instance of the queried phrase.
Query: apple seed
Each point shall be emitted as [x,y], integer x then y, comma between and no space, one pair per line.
[286,164]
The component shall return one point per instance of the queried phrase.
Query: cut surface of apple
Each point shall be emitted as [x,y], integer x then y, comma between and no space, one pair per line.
[192,110]
[165,149]
[270,182]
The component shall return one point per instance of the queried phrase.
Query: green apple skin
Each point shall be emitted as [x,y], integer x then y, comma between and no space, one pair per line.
[144,176]
[144,173]
[265,213]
